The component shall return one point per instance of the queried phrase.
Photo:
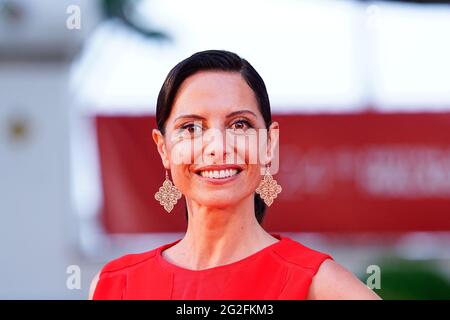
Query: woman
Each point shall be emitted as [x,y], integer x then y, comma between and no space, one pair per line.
[208,102]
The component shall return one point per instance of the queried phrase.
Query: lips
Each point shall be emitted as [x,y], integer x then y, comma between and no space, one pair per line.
[218,172]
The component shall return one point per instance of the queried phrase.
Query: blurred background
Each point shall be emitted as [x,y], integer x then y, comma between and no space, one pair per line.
[361,90]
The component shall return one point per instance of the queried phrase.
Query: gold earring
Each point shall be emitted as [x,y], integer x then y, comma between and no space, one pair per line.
[168,195]
[269,188]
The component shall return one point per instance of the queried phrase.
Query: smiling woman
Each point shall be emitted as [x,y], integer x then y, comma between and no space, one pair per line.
[211,111]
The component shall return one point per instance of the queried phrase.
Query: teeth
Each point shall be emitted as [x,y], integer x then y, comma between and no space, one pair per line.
[219,174]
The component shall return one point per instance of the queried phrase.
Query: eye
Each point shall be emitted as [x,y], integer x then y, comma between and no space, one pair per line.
[241,125]
[192,129]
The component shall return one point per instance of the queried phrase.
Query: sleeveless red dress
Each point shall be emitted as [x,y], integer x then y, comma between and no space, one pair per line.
[283,270]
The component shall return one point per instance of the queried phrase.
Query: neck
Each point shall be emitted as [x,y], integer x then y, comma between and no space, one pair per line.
[220,236]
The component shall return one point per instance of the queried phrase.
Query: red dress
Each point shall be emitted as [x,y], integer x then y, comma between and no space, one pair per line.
[283,270]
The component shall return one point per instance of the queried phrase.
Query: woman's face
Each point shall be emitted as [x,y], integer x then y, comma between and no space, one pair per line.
[211,139]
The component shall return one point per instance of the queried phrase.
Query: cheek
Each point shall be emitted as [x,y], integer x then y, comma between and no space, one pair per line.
[180,153]
[242,150]
[253,176]
[179,158]
[245,149]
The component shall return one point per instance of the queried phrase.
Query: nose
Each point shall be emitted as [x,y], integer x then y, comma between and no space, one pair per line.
[214,146]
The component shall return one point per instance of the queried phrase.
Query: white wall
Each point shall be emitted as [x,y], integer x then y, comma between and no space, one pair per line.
[38,232]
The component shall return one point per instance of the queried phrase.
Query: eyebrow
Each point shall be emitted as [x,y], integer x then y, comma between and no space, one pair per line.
[232,114]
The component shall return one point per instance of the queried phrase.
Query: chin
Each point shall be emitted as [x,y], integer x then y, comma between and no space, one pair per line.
[219,201]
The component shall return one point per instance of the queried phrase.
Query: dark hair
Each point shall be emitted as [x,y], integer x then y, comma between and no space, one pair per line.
[211,60]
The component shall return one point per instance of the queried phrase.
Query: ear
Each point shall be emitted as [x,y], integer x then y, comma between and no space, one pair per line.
[161,146]
[272,147]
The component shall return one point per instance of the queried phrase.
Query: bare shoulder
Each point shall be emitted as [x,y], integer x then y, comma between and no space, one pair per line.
[93,286]
[333,282]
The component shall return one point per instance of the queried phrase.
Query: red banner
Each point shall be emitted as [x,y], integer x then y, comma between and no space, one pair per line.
[339,173]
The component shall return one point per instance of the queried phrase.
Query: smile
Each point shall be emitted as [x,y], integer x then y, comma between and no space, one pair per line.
[218,174]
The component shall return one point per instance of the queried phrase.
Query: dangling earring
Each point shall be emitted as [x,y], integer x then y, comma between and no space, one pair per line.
[168,195]
[269,188]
